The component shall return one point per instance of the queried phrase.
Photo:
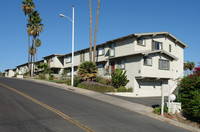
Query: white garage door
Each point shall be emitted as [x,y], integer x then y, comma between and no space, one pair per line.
[150,88]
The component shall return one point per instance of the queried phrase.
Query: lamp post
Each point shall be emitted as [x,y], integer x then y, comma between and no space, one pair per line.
[72,20]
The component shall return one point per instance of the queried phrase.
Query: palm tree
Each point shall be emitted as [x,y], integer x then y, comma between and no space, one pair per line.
[95,34]
[37,44]
[87,70]
[28,7]
[191,66]
[35,27]
[90,52]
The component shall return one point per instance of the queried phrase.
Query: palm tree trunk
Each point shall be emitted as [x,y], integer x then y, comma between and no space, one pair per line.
[34,52]
[90,53]
[29,54]
[95,35]
[31,66]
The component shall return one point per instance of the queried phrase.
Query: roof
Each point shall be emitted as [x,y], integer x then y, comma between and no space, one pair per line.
[150,34]
[22,65]
[160,51]
[52,55]
[145,53]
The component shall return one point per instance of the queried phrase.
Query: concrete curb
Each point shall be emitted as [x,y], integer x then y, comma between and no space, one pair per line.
[135,107]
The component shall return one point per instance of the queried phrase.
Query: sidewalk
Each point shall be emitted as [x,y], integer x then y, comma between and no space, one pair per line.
[135,107]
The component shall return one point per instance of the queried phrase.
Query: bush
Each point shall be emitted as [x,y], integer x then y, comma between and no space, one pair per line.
[130,90]
[88,70]
[189,96]
[77,80]
[157,110]
[51,77]
[95,86]
[101,80]
[119,78]
[68,81]
[121,89]
[42,76]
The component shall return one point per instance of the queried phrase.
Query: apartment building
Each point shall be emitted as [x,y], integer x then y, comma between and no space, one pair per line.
[152,61]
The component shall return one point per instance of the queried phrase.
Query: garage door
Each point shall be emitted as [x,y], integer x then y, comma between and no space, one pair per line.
[150,88]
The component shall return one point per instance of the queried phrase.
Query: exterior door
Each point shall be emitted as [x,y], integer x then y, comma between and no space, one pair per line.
[112,66]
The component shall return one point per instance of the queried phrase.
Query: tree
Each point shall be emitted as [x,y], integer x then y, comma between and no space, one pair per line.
[189,66]
[28,7]
[90,52]
[45,68]
[119,78]
[189,96]
[95,34]
[87,70]
[37,44]
[35,28]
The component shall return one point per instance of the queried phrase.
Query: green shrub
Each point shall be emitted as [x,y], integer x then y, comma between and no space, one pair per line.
[77,80]
[42,76]
[94,86]
[16,74]
[51,77]
[121,89]
[130,90]
[68,81]
[119,78]
[189,96]
[101,80]
[157,110]
[87,70]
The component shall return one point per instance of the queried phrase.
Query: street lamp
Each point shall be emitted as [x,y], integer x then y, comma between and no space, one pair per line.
[72,20]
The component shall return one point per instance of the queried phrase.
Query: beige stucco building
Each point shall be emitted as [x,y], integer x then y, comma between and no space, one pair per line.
[152,61]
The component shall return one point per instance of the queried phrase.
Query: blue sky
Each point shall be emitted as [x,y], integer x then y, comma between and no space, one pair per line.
[116,19]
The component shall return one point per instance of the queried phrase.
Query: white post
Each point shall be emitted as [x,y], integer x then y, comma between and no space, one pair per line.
[168,99]
[72,76]
[162,100]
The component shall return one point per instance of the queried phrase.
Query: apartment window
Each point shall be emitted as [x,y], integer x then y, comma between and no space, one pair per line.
[112,50]
[100,66]
[147,61]
[141,41]
[170,48]
[100,51]
[163,64]
[156,45]
[121,64]
[82,57]
[68,59]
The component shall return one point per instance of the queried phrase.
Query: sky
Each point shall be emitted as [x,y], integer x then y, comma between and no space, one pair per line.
[117,18]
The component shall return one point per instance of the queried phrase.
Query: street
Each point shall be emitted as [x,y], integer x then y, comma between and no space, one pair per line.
[27,106]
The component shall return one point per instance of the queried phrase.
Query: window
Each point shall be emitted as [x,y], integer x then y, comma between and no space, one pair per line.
[156,45]
[141,41]
[68,59]
[147,61]
[170,48]
[100,66]
[82,57]
[121,64]
[100,51]
[163,64]
[112,50]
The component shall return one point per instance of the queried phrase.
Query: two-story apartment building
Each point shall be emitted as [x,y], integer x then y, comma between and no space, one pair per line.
[152,61]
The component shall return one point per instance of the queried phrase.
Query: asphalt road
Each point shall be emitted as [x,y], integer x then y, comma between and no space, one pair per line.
[31,107]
